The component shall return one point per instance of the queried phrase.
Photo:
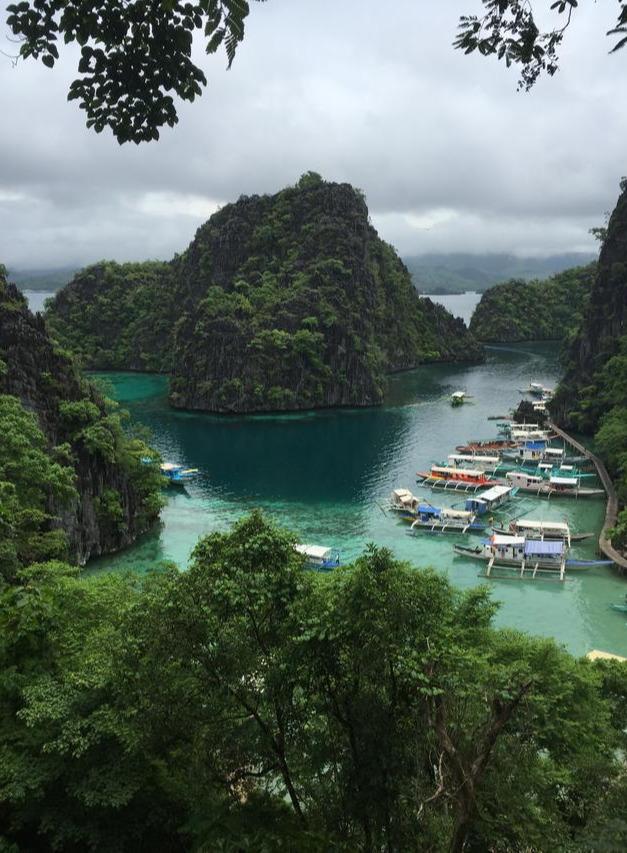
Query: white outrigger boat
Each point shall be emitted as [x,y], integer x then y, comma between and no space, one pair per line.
[560,486]
[404,501]
[444,520]
[318,556]
[535,557]
[532,529]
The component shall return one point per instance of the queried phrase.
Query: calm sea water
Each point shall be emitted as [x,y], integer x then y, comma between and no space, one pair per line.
[328,474]
[36,298]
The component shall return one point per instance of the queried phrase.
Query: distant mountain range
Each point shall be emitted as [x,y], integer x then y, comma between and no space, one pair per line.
[42,279]
[455,272]
[458,272]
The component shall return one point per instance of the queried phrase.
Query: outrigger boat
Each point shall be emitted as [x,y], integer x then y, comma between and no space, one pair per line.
[444,476]
[541,530]
[178,475]
[560,486]
[458,398]
[536,389]
[319,557]
[534,556]
[444,520]
[488,445]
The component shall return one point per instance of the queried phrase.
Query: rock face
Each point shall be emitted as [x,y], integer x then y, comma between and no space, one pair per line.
[601,334]
[533,310]
[117,500]
[289,301]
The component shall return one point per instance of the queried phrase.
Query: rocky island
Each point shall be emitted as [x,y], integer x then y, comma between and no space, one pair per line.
[281,302]
[73,483]
[538,310]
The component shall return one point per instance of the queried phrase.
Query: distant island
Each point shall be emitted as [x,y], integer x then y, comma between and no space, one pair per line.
[281,302]
[547,310]
[457,272]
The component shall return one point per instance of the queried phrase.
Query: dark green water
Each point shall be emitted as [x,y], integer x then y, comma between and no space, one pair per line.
[326,475]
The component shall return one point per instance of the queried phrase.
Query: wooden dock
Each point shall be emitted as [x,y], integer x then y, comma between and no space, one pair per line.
[605,546]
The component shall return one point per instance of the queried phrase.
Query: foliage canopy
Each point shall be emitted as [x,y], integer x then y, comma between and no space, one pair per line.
[249,704]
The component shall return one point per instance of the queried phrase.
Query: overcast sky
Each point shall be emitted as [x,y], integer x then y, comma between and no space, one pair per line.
[451,157]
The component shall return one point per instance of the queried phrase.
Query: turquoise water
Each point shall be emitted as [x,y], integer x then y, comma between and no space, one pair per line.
[328,474]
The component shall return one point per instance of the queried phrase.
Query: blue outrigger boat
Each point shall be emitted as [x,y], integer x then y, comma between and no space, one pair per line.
[178,475]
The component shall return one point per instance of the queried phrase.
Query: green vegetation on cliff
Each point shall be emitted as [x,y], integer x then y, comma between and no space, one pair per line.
[372,709]
[72,480]
[592,396]
[288,301]
[534,310]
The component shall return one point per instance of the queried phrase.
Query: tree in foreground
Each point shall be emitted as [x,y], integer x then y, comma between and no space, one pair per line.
[250,704]
[133,55]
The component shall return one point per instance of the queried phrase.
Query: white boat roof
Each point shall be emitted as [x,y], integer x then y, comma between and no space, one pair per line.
[515,476]
[494,493]
[316,552]
[170,466]
[458,394]
[456,513]
[554,451]
[465,457]
[529,524]
[468,472]
[502,539]
[402,493]
[564,481]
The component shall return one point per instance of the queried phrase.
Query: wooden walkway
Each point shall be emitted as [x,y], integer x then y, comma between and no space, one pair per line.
[605,546]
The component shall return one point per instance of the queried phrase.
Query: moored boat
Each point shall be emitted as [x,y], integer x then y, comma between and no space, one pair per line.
[444,476]
[458,398]
[558,486]
[533,529]
[319,556]
[445,520]
[178,475]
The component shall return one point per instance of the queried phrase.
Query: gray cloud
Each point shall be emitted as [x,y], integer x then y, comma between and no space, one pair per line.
[450,156]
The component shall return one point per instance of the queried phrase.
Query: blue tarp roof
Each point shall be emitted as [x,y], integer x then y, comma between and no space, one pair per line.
[536,546]
[535,445]
[427,509]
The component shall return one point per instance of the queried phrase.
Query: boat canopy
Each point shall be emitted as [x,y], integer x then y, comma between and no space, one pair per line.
[427,509]
[543,547]
[171,466]
[494,493]
[535,445]
[464,457]
[315,552]
[459,395]
[403,496]
[554,451]
[503,539]
[563,481]
[457,513]
[554,526]
[517,476]
[467,472]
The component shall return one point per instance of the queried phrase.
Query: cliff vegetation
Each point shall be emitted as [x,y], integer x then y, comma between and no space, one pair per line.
[592,397]
[533,310]
[287,301]
[72,481]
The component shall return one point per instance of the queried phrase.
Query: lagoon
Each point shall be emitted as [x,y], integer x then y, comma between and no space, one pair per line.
[327,475]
